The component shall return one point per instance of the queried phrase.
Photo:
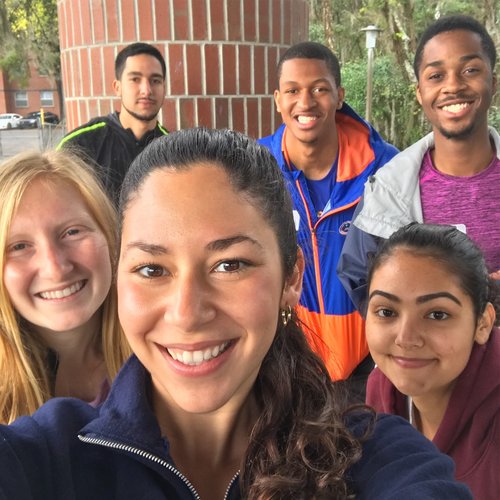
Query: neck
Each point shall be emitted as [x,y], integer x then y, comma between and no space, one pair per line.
[463,158]
[429,412]
[208,448]
[81,369]
[76,343]
[138,127]
[315,159]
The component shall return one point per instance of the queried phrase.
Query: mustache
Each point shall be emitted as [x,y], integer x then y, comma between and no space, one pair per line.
[456,97]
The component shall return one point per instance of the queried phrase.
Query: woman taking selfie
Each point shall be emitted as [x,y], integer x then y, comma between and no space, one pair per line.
[223,397]
[59,332]
[429,326]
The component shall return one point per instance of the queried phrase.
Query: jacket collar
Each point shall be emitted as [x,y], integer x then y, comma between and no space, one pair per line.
[126,416]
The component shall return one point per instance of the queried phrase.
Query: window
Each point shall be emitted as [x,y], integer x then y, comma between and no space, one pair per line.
[21,99]
[47,98]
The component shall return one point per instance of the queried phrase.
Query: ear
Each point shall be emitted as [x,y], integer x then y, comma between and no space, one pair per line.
[494,85]
[485,324]
[419,97]
[341,94]
[277,100]
[293,284]
[117,89]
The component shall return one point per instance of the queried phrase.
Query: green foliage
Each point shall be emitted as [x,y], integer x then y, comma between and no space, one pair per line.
[29,29]
[395,111]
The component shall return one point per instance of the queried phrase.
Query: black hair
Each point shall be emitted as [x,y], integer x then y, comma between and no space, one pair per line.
[312,50]
[135,49]
[453,23]
[300,446]
[453,249]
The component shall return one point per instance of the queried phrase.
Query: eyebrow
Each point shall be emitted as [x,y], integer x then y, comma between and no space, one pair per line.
[420,300]
[216,245]
[225,243]
[319,80]
[138,73]
[466,58]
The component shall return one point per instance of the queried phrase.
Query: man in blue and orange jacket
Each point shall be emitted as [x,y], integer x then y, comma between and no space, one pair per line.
[326,152]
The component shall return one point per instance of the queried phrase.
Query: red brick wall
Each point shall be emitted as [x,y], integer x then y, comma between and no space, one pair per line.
[220,56]
[36,84]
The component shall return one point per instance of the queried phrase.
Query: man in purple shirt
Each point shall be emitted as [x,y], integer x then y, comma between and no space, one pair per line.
[452,175]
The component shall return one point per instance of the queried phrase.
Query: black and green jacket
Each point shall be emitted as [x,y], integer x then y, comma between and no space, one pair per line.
[109,148]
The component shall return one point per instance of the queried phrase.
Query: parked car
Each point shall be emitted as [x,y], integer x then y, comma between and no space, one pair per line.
[32,120]
[9,120]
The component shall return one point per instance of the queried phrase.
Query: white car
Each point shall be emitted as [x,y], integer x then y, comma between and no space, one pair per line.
[9,120]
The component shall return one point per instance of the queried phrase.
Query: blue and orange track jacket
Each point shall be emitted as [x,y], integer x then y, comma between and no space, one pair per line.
[337,330]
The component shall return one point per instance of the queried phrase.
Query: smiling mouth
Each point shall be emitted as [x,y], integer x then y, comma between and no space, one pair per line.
[196,358]
[455,108]
[65,292]
[306,119]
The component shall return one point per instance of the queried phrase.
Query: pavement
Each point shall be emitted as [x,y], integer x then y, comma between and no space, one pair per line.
[15,141]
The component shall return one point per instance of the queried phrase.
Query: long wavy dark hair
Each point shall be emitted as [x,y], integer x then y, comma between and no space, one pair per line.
[300,446]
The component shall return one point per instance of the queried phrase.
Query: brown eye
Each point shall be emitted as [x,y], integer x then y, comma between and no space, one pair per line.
[151,271]
[228,266]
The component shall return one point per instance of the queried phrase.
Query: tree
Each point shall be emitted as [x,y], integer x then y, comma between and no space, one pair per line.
[337,23]
[29,30]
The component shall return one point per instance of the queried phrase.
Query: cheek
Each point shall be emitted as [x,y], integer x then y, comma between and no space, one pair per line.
[377,337]
[133,310]
[15,279]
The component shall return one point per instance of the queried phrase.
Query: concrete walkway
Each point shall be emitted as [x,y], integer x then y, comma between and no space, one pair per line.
[17,140]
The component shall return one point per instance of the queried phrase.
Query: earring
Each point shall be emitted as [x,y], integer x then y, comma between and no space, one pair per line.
[286,315]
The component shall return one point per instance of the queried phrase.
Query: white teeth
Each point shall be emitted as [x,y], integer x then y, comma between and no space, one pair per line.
[455,108]
[306,119]
[195,358]
[60,294]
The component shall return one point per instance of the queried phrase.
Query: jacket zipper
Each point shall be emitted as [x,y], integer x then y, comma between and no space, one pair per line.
[153,458]
[144,454]
[233,479]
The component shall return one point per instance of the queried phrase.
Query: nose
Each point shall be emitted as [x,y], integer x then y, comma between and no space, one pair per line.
[54,262]
[306,99]
[408,334]
[145,87]
[189,305]
[454,83]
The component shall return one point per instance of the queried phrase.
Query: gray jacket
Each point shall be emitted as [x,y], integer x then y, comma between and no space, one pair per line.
[390,201]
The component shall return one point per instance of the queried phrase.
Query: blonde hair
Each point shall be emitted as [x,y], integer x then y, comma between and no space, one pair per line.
[25,379]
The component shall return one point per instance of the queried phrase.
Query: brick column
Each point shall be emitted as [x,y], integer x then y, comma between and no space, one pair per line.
[221,56]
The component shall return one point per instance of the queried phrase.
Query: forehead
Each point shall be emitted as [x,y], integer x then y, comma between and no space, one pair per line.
[453,45]
[199,196]
[423,267]
[46,196]
[142,63]
[301,68]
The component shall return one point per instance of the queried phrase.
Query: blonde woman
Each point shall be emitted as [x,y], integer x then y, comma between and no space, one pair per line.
[59,334]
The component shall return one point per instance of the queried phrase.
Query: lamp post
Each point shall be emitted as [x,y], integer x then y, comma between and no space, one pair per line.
[371,40]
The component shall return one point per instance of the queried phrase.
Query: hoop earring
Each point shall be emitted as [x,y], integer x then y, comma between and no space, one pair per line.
[286,315]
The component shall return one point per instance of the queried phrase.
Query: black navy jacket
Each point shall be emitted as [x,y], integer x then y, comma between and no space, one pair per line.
[68,450]
[109,147]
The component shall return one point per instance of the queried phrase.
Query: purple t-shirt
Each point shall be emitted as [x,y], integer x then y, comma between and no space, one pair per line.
[472,203]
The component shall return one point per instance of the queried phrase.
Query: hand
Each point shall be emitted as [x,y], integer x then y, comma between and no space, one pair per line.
[495,275]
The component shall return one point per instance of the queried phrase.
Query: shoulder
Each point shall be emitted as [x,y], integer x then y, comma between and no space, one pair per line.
[408,161]
[397,461]
[57,419]
[37,449]
[160,130]
[86,132]
[273,141]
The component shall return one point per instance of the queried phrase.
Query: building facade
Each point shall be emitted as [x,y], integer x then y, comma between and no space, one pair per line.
[39,93]
[220,54]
